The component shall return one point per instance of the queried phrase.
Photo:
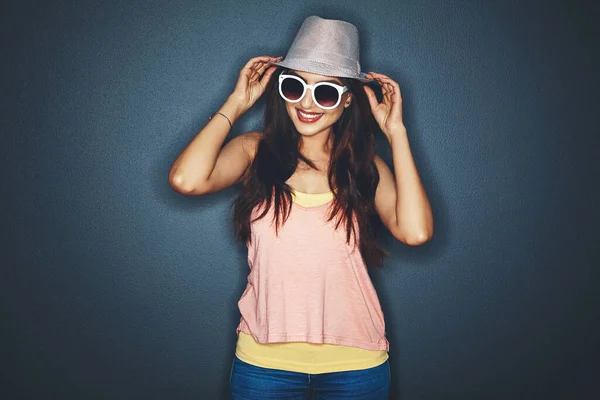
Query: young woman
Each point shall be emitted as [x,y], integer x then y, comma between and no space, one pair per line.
[314,195]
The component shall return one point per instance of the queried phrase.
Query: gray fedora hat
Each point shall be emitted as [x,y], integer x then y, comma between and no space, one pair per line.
[326,47]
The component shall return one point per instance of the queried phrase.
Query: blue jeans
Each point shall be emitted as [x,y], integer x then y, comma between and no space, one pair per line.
[250,382]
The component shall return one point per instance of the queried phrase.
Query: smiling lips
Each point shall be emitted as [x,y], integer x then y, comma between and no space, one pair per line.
[308,117]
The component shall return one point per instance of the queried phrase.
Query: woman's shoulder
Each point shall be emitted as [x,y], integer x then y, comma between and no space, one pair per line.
[250,142]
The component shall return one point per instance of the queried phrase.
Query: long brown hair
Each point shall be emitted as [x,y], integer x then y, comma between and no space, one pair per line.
[352,170]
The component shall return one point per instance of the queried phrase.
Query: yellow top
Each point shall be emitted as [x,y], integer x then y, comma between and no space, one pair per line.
[310,358]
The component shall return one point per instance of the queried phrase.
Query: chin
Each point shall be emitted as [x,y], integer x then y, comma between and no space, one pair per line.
[309,130]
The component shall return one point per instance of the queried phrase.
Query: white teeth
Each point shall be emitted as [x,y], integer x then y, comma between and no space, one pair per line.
[309,116]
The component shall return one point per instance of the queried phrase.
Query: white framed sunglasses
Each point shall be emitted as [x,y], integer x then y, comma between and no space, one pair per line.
[326,95]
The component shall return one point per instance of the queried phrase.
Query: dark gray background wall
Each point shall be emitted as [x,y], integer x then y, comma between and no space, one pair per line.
[116,287]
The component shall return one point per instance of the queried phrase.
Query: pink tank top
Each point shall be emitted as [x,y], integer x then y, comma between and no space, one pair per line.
[308,284]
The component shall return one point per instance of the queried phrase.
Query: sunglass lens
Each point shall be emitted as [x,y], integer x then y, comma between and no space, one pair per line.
[292,89]
[326,95]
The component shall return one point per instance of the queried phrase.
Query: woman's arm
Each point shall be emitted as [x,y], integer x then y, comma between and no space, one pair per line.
[400,200]
[203,167]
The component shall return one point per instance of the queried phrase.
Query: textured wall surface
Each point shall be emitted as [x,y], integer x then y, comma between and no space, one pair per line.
[114,286]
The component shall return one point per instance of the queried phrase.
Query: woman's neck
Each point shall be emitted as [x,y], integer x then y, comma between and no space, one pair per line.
[317,147]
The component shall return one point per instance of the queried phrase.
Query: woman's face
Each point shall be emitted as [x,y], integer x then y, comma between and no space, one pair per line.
[308,118]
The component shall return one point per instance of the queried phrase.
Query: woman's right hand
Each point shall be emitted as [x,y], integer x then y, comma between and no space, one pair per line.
[250,86]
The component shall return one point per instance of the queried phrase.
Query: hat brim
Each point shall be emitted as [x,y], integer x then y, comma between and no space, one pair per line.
[321,69]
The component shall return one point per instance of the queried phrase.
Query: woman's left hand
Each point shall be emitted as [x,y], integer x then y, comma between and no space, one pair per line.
[388,113]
